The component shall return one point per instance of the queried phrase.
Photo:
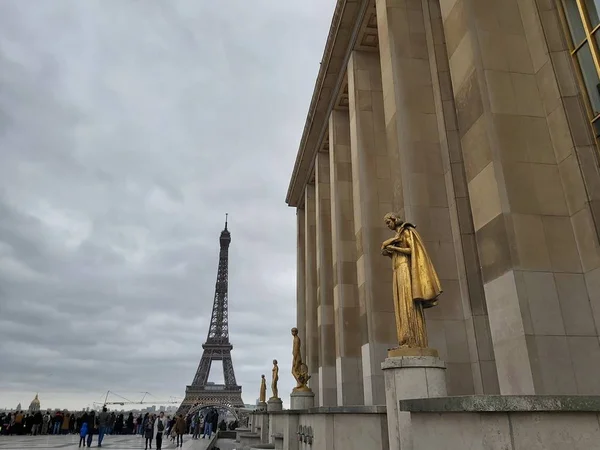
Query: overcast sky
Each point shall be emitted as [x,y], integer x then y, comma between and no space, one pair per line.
[128,128]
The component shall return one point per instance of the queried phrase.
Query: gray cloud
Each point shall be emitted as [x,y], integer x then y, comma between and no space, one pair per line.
[127,130]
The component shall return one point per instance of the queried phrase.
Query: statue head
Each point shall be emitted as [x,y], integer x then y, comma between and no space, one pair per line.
[294,331]
[393,220]
[262,376]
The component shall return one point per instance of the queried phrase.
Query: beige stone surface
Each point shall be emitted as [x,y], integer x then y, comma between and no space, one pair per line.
[348,341]
[325,318]
[484,196]
[410,377]
[311,343]
[519,158]
[371,189]
[510,431]
[343,431]
[301,279]
[434,195]
[467,117]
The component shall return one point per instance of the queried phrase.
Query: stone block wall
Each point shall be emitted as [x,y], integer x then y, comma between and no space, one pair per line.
[514,423]
[467,118]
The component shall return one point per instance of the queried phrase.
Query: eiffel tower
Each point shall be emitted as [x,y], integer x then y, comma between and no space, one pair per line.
[216,348]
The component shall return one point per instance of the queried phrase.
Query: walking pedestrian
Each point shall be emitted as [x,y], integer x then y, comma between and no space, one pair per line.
[149,430]
[103,419]
[208,423]
[83,434]
[180,427]
[91,426]
[160,425]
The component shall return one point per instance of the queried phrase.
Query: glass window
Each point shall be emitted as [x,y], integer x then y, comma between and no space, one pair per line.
[590,76]
[593,7]
[582,18]
[596,125]
[575,22]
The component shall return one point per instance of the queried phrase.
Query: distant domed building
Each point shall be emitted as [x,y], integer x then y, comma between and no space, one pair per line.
[35,404]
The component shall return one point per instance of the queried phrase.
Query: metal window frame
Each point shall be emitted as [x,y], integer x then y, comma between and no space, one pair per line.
[590,33]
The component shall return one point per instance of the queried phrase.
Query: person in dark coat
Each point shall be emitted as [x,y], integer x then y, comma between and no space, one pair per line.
[38,419]
[119,424]
[149,430]
[215,420]
[91,422]
[130,429]
[208,423]
[180,428]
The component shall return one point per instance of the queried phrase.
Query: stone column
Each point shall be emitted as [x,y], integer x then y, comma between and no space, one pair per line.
[345,288]
[301,281]
[372,198]
[421,131]
[310,272]
[514,88]
[327,375]
[410,377]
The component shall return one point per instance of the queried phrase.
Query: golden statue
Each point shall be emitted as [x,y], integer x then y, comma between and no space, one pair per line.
[263,389]
[275,379]
[299,369]
[416,286]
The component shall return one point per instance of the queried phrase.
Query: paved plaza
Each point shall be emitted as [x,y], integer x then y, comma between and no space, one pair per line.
[110,442]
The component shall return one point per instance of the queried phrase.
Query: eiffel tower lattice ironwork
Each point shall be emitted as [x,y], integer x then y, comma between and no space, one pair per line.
[216,347]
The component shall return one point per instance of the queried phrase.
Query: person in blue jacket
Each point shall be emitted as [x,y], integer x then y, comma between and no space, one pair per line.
[83,433]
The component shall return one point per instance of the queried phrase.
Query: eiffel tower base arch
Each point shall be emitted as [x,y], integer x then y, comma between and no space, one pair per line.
[200,396]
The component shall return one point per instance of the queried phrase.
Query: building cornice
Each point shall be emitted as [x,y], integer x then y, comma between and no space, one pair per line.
[345,26]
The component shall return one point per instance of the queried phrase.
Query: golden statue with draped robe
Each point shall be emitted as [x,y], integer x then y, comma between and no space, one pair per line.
[263,389]
[299,369]
[416,286]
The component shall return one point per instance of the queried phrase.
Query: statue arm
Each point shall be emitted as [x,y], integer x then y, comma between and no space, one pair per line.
[404,250]
[390,241]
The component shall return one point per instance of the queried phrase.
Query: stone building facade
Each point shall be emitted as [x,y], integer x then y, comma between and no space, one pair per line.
[476,119]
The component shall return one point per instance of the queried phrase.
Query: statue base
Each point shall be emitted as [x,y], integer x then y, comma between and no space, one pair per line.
[274,404]
[302,399]
[410,377]
[262,406]
[411,351]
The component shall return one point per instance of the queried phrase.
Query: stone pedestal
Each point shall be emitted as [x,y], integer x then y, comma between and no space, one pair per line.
[302,399]
[262,406]
[274,404]
[240,431]
[262,426]
[410,377]
[247,439]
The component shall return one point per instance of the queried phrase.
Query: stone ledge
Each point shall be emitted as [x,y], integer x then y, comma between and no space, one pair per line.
[212,441]
[414,362]
[302,394]
[289,412]
[250,435]
[378,409]
[504,403]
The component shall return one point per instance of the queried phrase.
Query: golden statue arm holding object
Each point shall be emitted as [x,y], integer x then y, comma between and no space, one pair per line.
[263,389]
[299,369]
[275,372]
[416,286]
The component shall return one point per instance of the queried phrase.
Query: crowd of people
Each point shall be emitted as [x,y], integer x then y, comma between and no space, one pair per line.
[152,427]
